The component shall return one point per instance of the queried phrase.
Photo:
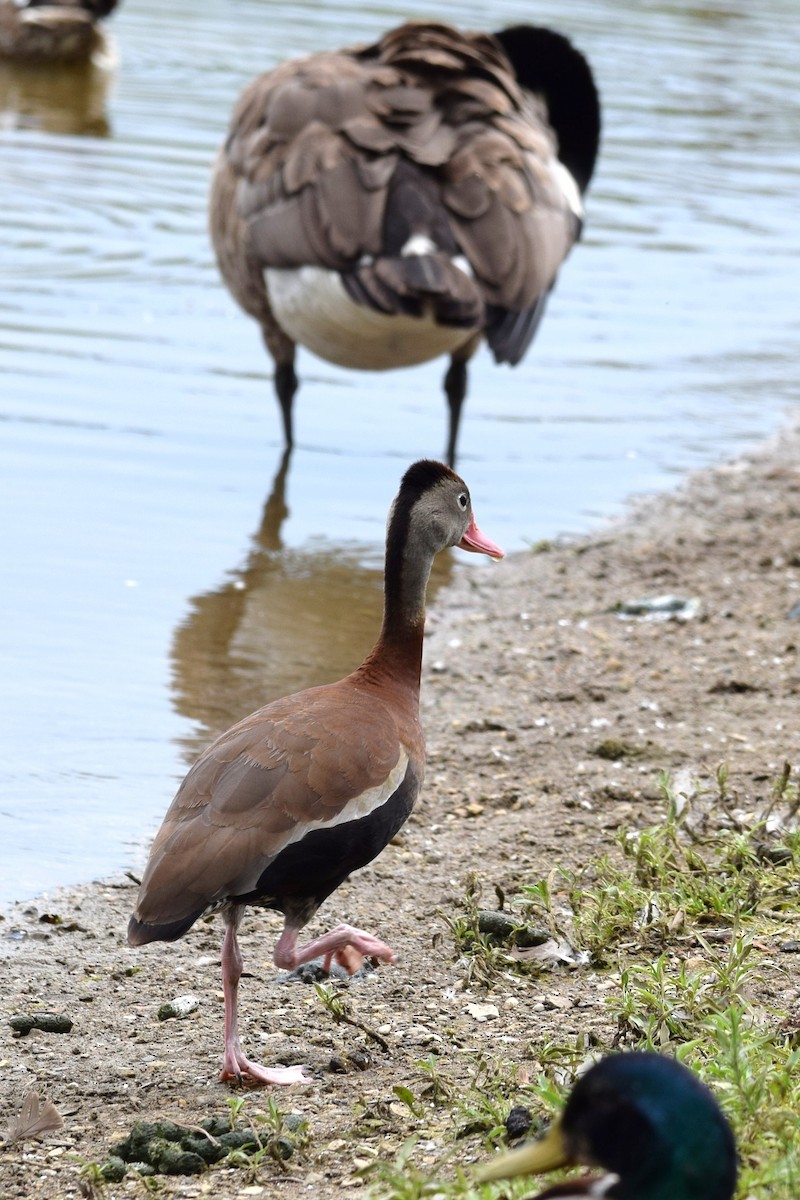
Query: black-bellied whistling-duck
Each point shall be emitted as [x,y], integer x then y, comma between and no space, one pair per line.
[52,31]
[649,1121]
[386,204]
[279,810]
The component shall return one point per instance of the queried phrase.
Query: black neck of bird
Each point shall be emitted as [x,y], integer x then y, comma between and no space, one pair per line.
[408,568]
[546,63]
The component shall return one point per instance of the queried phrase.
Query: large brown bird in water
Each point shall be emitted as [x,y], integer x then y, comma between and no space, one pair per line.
[386,204]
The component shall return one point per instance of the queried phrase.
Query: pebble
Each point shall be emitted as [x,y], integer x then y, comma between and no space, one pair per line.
[483,1012]
[559,1002]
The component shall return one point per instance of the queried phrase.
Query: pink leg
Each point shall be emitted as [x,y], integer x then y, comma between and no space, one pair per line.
[235,1065]
[344,943]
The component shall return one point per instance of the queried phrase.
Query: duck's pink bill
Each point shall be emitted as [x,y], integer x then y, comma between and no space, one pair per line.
[474,540]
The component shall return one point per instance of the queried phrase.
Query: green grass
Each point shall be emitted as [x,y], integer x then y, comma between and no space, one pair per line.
[685,918]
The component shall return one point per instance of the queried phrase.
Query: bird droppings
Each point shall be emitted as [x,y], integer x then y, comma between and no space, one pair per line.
[180,1007]
[660,608]
[503,930]
[47,1022]
[617,749]
[314,972]
[518,1122]
[167,1148]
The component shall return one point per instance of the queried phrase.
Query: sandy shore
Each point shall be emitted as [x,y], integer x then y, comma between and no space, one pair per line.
[549,716]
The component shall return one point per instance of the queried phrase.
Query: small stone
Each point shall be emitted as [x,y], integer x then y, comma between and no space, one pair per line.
[483,1012]
[557,1002]
[790,947]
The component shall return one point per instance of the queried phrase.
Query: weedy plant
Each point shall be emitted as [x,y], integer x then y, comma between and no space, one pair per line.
[687,917]
[482,1108]
[487,942]
[92,1182]
[483,958]
[710,897]
[400,1179]
[669,1000]
[755,1070]
[335,1002]
[721,869]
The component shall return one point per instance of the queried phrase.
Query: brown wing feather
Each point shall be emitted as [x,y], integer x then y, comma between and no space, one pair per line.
[301,759]
[306,136]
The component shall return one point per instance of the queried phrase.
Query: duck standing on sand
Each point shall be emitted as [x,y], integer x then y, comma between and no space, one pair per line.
[279,810]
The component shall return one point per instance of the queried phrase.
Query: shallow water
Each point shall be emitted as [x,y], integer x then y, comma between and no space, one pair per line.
[163,574]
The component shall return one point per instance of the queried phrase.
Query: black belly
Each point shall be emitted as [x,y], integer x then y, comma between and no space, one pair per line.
[305,873]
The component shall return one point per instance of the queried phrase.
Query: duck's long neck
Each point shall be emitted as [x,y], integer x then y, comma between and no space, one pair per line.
[398,649]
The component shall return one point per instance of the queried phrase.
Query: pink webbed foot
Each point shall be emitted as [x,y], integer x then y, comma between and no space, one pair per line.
[351,956]
[236,1066]
[347,945]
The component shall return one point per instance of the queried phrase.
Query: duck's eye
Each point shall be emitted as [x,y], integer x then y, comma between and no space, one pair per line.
[463,501]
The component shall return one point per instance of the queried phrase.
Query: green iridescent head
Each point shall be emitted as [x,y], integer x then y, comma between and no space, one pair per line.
[645,1119]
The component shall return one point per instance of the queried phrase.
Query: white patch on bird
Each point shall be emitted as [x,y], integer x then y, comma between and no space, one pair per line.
[569,189]
[418,243]
[604,1185]
[312,306]
[362,805]
[600,1187]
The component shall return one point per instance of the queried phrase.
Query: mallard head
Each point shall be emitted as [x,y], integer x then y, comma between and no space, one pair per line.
[648,1121]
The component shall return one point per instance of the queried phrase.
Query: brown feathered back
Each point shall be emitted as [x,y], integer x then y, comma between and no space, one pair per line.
[315,145]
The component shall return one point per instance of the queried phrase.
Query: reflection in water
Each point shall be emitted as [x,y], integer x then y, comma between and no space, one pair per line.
[288,619]
[57,98]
